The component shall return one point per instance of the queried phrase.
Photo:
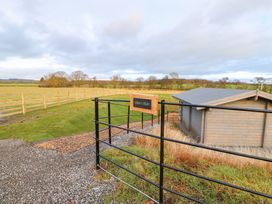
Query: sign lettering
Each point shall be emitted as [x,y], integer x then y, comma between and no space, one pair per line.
[142,103]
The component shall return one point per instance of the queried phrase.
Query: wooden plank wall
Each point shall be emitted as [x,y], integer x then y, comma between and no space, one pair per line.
[235,128]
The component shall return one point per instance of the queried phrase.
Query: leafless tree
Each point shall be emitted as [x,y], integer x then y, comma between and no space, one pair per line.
[61,74]
[224,80]
[140,79]
[174,75]
[117,77]
[152,78]
[78,77]
[260,82]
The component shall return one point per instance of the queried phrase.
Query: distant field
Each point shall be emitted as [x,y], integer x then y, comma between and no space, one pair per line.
[20,99]
[18,85]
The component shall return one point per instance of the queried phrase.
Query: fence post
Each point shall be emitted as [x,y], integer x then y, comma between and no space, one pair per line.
[167,116]
[109,121]
[128,119]
[44,102]
[162,150]
[97,133]
[23,104]
[58,98]
[142,119]
[152,118]
[77,95]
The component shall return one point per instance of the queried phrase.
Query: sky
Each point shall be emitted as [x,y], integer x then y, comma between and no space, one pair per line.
[197,39]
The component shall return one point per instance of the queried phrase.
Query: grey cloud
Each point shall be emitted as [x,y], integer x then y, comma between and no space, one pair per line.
[64,43]
[14,41]
[214,37]
[231,10]
[123,29]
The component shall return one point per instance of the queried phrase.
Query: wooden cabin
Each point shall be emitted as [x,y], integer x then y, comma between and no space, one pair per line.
[227,127]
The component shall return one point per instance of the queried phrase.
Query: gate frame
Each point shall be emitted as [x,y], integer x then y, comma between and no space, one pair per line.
[161,121]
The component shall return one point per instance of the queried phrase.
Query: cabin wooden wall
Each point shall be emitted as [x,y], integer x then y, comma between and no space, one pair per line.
[236,128]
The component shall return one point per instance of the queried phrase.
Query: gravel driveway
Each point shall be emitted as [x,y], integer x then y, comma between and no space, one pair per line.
[35,175]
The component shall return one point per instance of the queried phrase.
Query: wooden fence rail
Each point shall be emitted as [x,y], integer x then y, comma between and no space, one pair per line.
[15,100]
[13,104]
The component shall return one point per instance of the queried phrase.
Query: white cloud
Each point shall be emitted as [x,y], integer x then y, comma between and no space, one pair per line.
[241,75]
[14,67]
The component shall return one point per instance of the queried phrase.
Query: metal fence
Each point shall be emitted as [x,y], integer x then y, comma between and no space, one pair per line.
[161,120]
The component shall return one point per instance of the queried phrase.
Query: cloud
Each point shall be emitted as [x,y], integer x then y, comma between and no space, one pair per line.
[123,29]
[16,41]
[196,38]
[30,68]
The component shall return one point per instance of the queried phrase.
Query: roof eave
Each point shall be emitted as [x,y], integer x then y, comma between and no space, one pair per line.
[265,95]
[232,98]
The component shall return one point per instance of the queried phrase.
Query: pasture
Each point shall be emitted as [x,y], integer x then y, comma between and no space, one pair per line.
[64,120]
[20,100]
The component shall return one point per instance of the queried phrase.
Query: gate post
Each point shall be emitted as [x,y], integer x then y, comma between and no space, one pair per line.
[162,150]
[142,120]
[159,116]
[109,121]
[128,119]
[97,133]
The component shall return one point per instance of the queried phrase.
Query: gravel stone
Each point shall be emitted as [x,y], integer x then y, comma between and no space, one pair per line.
[36,175]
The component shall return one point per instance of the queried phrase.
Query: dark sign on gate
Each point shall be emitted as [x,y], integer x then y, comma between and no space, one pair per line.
[144,103]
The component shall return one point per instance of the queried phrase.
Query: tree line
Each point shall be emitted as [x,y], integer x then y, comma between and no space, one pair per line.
[171,81]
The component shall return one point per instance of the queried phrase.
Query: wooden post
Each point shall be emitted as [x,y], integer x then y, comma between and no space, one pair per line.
[264,125]
[58,98]
[76,95]
[44,102]
[23,104]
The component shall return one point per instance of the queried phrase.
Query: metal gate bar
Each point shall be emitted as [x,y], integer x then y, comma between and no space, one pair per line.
[162,139]
[134,188]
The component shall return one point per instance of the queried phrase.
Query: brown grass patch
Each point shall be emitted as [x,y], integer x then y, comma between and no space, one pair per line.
[191,156]
[76,142]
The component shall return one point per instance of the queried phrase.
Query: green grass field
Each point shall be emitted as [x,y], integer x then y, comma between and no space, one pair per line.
[64,120]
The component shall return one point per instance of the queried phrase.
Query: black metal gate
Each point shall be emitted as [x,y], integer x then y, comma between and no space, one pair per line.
[161,138]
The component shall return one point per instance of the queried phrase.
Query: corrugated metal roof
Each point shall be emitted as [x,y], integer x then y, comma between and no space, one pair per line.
[205,96]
